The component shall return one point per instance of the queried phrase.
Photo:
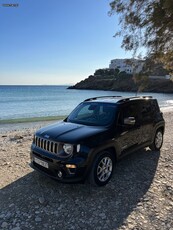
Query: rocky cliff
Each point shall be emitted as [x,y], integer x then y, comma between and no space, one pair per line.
[124,83]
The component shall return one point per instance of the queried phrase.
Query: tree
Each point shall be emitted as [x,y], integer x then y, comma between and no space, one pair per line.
[149,24]
[153,68]
[141,81]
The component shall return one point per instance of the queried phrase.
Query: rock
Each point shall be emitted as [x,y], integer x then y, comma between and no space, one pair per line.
[16,228]
[11,205]
[131,225]
[41,200]
[123,83]
[19,142]
[8,215]
[4,224]
[102,215]
[2,216]
[37,212]
[16,137]
[6,163]
[38,219]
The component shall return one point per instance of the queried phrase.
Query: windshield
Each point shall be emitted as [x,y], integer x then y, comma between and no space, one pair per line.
[93,113]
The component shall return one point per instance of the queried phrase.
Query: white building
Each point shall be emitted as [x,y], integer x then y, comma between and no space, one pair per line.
[128,65]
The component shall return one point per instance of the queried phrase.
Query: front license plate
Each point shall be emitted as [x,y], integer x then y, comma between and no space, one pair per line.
[42,163]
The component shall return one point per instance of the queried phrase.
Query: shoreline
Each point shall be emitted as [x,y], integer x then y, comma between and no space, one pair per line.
[37,122]
[5,128]
[27,123]
[31,119]
[54,118]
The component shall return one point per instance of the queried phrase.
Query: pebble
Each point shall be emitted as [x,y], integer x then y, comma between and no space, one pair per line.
[16,228]
[4,224]
[11,205]
[38,219]
[41,200]
[2,216]
[102,215]
[37,212]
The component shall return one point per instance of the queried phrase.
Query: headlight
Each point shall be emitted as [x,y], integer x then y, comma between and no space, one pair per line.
[68,148]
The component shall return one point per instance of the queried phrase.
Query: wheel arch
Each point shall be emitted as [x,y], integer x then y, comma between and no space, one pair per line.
[158,127]
[97,151]
[161,128]
[112,151]
[153,146]
[91,173]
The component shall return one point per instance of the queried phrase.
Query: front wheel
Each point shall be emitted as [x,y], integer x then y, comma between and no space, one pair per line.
[102,168]
[158,141]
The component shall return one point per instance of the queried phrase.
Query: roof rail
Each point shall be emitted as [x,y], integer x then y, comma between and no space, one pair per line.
[121,99]
[95,98]
[136,97]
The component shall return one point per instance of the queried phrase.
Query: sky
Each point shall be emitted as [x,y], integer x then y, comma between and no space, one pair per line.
[56,42]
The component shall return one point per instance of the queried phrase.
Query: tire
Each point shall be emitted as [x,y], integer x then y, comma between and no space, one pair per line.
[102,169]
[158,141]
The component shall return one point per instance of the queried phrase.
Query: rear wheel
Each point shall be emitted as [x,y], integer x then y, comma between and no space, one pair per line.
[102,168]
[158,141]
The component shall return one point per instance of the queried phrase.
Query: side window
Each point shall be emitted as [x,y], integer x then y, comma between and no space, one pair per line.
[155,106]
[130,110]
[146,111]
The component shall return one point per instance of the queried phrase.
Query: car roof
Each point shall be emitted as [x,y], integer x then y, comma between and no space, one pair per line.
[117,99]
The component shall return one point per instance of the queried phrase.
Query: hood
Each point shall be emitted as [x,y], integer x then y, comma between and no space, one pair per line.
[69,132]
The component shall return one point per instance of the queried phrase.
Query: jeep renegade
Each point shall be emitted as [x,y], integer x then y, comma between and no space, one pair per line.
[97,133]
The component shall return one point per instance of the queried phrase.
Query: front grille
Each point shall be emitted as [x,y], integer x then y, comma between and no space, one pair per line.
[47,145]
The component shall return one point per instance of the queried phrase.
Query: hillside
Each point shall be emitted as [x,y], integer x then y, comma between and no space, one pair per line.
[124,82]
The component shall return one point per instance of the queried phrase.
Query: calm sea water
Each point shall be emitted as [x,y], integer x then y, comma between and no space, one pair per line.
[41,101]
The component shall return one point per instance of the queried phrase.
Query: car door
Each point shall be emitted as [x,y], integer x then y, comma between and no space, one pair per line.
[129,135]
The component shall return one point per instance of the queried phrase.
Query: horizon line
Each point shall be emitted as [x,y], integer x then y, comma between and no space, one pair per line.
[35,84]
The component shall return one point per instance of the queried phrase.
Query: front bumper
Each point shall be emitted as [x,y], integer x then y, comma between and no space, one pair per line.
[56,168]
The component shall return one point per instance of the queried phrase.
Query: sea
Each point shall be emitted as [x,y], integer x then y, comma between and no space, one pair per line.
[42,101]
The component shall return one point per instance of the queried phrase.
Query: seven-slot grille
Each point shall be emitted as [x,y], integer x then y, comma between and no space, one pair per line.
[47,145]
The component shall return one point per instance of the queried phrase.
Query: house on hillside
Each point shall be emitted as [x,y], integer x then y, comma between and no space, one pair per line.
[130,66]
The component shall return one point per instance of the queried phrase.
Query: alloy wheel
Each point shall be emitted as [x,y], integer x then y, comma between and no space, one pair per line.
[104,169]
[158,139]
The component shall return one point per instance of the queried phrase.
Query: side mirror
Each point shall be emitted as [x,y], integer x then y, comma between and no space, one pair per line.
[129,121]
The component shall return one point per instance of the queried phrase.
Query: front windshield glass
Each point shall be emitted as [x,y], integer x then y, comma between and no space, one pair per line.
[93,113]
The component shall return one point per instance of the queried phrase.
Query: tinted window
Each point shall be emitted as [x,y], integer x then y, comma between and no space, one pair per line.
[129,110]
[146,111]
[91,113]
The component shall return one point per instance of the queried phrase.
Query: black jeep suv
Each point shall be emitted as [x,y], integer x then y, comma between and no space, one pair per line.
[95,135]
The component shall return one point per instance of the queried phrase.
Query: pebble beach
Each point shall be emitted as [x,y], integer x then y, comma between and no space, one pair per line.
[138,197]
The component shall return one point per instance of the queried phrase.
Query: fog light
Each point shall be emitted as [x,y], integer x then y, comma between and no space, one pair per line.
[70,166]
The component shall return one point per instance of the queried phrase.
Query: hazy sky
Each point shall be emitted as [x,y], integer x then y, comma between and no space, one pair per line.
[56,41]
